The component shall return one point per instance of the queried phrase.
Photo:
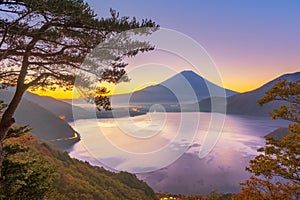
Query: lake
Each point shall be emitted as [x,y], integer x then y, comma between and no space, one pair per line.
[183,153]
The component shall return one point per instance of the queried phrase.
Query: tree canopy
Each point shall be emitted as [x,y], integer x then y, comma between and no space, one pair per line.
[277,169]
[43,43]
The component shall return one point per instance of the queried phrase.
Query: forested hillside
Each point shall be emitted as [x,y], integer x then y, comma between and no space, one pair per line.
[61,177]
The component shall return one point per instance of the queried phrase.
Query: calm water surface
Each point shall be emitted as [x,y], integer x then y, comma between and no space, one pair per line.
[166,146]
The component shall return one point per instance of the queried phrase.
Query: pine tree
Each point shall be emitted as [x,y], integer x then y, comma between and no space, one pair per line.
[44,42]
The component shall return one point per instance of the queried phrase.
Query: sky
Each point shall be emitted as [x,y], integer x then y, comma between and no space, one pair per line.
[251,42]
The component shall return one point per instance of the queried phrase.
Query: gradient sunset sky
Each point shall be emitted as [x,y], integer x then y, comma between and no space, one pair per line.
[251,42]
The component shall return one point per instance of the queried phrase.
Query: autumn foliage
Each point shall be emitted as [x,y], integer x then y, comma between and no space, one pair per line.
[276,171]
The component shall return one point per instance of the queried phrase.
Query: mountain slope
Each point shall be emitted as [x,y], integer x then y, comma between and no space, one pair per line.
[76,180]
[59,108]
[186,86]
[246,103]
[46,125]
[278,134]
[55,106]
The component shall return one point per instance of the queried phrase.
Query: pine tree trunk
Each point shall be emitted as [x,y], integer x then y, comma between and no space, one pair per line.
[7,121]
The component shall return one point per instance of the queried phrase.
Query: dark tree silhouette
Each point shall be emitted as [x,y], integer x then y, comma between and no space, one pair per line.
[44,42]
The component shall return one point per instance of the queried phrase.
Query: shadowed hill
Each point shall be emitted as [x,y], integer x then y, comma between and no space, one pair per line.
[57,107]
[246,103]
[45,124]
[278,134]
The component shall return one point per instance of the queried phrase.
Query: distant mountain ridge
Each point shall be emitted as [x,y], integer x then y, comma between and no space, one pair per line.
[246,103]
[186,86]
[56,106]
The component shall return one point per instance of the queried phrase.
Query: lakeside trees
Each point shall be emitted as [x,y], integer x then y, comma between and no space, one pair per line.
[43,43]
[277,169]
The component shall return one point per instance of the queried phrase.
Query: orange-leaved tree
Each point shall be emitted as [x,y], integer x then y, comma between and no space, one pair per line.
[277,169]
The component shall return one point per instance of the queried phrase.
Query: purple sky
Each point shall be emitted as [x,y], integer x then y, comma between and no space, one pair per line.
[251,42]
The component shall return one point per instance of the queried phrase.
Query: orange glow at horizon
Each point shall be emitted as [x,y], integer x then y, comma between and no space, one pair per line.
[237,72]
[233,78]
[232,82]
[55,94]
[61,94]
